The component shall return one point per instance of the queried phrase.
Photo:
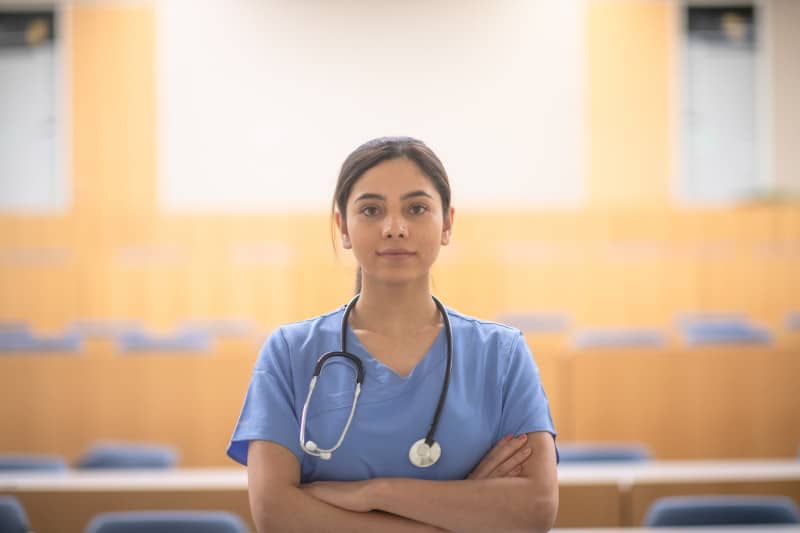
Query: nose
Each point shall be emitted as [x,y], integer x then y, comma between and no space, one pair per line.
[394,227]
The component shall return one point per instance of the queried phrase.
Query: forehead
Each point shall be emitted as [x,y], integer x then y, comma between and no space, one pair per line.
[393,178]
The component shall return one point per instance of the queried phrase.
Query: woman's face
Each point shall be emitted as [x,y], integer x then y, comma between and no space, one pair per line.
[395,224]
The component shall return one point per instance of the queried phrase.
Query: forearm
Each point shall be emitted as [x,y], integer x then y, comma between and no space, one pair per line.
[290,509]
[501,504]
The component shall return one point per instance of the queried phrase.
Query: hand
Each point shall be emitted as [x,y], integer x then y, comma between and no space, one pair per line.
[504,460]
[347,495]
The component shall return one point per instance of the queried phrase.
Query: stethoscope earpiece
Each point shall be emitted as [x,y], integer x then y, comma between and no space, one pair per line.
[421,453]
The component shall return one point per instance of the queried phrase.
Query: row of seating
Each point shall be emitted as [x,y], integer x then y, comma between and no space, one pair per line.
[14,519]
[130,455]
[672,511]
[197,336]
[190,336]
[99,456]
[694,329]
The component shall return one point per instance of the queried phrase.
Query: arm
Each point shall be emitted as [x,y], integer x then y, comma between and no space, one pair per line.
[277,502]
[527,502]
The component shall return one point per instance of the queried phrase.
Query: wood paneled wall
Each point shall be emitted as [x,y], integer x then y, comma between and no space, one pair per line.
[629,258]
[682,403]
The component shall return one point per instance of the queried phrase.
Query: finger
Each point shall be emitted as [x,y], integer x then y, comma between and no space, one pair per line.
[490,460]
[501,452]
[515,461]
[509,459]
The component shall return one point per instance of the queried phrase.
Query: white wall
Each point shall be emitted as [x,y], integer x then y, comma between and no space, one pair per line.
[260,101]
[785,82]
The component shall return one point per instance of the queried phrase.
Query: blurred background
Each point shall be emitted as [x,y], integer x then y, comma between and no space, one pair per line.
[626,177]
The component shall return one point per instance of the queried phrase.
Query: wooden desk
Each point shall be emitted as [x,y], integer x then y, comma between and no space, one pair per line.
[67,502]
[639,484]
[779,478]
[608,495]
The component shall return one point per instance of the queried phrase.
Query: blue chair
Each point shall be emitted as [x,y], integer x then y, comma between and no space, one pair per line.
[603,452]
[684,511]
[12,516]
[707,329]
[183,340]
[167,522]
[50,463]
[22,340]
[619,338]
[127,456]
[793,321]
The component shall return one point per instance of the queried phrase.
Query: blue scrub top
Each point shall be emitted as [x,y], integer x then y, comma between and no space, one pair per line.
[494,390]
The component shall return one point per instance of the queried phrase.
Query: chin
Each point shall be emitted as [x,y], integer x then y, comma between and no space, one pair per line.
[397,279]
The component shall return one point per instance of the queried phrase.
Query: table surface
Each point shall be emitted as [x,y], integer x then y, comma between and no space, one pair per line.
[623,475]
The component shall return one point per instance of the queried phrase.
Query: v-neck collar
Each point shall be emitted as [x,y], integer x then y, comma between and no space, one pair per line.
[378,373]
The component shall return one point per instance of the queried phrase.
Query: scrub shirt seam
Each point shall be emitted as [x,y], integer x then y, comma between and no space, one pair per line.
[289,354]
[503,386]
[298,417]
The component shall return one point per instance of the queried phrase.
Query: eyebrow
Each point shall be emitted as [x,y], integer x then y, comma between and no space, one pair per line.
[373,196]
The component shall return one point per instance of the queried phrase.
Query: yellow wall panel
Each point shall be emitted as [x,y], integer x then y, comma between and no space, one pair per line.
[113,108]
[629,56]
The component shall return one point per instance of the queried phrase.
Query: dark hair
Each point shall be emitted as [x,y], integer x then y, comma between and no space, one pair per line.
[376,151]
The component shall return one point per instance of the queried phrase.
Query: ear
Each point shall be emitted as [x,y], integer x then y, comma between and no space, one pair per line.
[447,228]
[342,227]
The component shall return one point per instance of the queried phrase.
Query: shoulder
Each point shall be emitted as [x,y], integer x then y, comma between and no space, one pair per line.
[301,336]
[330,322]
[480,331]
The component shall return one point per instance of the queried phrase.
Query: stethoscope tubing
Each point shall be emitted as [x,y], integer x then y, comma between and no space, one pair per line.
[310,447]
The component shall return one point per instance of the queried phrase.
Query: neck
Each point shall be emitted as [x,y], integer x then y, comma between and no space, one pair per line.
[395,309]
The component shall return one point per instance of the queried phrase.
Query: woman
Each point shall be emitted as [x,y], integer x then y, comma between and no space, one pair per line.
[363,465]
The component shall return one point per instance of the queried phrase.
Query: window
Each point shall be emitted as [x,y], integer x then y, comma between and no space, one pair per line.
[720,132]
[32,176]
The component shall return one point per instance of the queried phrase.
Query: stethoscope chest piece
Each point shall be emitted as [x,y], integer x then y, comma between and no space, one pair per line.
[423,455]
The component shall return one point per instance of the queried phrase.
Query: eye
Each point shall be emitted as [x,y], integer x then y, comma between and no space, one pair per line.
[369,210]
[418,209]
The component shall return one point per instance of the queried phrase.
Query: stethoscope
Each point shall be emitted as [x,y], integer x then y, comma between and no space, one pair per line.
[424,452]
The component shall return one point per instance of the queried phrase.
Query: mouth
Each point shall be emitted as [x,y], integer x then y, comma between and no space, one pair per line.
[396,253]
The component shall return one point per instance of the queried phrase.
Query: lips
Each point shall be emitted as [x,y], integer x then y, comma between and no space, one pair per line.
[395,252]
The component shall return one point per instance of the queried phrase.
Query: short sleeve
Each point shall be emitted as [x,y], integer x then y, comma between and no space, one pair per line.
[525,405]
[268,412]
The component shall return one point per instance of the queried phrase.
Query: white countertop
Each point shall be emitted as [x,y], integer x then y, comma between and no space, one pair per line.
[235,478]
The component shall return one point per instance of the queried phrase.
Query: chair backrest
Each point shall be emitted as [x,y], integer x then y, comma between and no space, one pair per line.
[167,522]
[619,338]
[125,455]
[185,340]
[12,516]
[677,511]
[721,329]
[602,452]
[793,321]
[51,463]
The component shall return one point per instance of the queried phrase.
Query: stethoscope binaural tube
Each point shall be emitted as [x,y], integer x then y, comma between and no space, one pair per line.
[422,453]
[311,447]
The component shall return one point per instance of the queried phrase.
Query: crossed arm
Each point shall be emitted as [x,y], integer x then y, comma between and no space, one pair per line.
[514,488]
